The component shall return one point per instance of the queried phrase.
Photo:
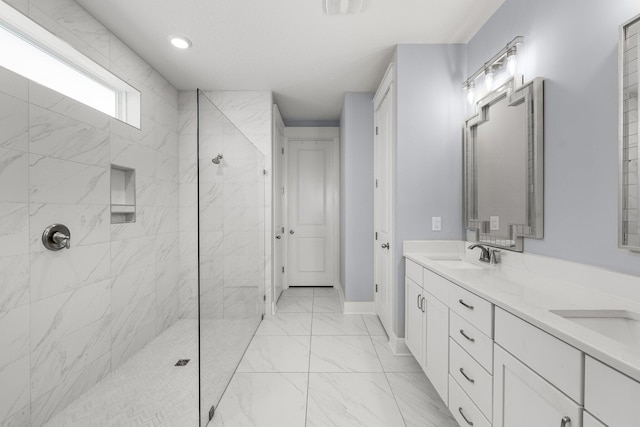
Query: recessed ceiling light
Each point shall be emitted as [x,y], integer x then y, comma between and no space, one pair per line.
[180,42]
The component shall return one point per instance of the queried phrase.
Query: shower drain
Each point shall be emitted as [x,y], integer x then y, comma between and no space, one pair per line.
[182,362]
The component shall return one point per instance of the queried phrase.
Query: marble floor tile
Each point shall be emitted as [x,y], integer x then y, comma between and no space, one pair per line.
[295,305]
[419,402]
[263,400]
[338,324]
[391,362]
[352,400]
[325,292]
[276,354]
[374,326]
[286,324]
[343,354]
[298,292]
[327,305]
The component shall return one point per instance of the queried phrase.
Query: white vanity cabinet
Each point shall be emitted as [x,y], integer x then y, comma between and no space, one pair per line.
[537,378]
[589,420]
[414,320]
[522,398]
[427,324]
[610,396]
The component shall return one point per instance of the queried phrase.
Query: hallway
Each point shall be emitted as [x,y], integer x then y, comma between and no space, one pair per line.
[311,365]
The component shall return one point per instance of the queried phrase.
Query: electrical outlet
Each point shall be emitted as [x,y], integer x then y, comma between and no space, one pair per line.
[494,223]
[436,223]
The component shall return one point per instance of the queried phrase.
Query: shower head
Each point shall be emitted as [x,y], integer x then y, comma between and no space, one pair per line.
[216,160]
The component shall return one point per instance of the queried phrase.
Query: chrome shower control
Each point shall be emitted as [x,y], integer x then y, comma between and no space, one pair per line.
[56,237]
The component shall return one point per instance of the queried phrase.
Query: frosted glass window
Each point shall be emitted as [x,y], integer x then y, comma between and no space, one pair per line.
[34,53]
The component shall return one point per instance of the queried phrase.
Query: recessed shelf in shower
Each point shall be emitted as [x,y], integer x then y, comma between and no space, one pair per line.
[123,195]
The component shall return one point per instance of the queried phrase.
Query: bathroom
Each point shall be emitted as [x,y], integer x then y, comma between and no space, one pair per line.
[201,255]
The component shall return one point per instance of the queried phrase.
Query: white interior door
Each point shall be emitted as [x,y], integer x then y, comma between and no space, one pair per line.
[383,156]
[278,203]
[311,213]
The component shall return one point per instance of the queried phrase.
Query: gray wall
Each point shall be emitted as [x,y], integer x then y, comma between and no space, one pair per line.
[573,45]
[428,168]
[356,197]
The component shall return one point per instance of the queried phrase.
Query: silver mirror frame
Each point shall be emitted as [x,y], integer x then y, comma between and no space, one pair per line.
[532,94]
[628,131]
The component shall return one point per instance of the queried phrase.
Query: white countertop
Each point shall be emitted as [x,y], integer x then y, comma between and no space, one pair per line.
[529,286]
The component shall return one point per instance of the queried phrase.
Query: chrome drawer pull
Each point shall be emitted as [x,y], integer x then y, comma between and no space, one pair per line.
[467,336]
[418,302]
[470,307]
[471,380]
[565,421]
[423,307]
[463,416]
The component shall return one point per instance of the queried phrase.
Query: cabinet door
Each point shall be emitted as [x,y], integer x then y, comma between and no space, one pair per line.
[521,398]
[414,332]
[437,344]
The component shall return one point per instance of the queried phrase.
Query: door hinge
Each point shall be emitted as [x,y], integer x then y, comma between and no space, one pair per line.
[376,287]
[264,297]
[376,130]
[376,235]
[283,190]
[282,150]
[264,171]
[283,229]
[376,183]
[283,268]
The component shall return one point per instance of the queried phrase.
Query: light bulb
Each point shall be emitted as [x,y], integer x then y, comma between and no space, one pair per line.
[180,42]
[488,78]
[512,62]
[471,92]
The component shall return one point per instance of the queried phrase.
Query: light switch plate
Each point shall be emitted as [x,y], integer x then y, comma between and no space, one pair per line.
[436,223]
[494,223]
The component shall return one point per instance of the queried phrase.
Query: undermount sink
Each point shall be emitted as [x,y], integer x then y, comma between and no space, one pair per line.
[458,264]
[620,325]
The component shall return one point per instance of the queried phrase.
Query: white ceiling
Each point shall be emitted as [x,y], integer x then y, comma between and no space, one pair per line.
[308,59]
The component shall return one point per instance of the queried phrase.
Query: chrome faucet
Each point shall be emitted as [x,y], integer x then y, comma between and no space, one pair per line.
[488,255]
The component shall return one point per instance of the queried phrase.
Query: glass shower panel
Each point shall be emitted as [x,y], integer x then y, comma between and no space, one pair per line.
[231,248]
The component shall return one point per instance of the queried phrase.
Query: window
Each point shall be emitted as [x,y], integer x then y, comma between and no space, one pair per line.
[36,54]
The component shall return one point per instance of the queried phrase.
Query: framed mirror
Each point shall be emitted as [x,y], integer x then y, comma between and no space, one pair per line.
[628,224]
[503,166]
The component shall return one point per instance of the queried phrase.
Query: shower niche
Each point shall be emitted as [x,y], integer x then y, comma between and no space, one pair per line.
[123,195]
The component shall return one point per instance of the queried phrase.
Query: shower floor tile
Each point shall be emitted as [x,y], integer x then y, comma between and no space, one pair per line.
[148,390]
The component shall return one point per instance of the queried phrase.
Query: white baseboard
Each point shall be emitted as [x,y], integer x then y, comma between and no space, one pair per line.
[398,347]
[359,307]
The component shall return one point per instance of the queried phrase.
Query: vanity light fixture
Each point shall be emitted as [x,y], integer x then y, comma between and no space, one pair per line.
[506,58]
[180,42]
[488,78]
[471,92]
[512,60]
[342,7]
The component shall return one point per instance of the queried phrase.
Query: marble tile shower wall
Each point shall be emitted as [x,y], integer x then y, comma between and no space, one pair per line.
[235,213]
[68,318]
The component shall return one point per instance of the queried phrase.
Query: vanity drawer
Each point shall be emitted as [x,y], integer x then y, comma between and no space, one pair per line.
[413,271]
[472,308]
[463,409]
[436,285]
[554,360]
[472,340]
[609,395]
[472,378]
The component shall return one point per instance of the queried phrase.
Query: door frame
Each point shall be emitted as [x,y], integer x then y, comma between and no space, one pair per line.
[330,135]
[387,89]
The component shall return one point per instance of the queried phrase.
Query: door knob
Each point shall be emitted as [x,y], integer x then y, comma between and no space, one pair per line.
[278,237]
[291,231]
[385,246]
